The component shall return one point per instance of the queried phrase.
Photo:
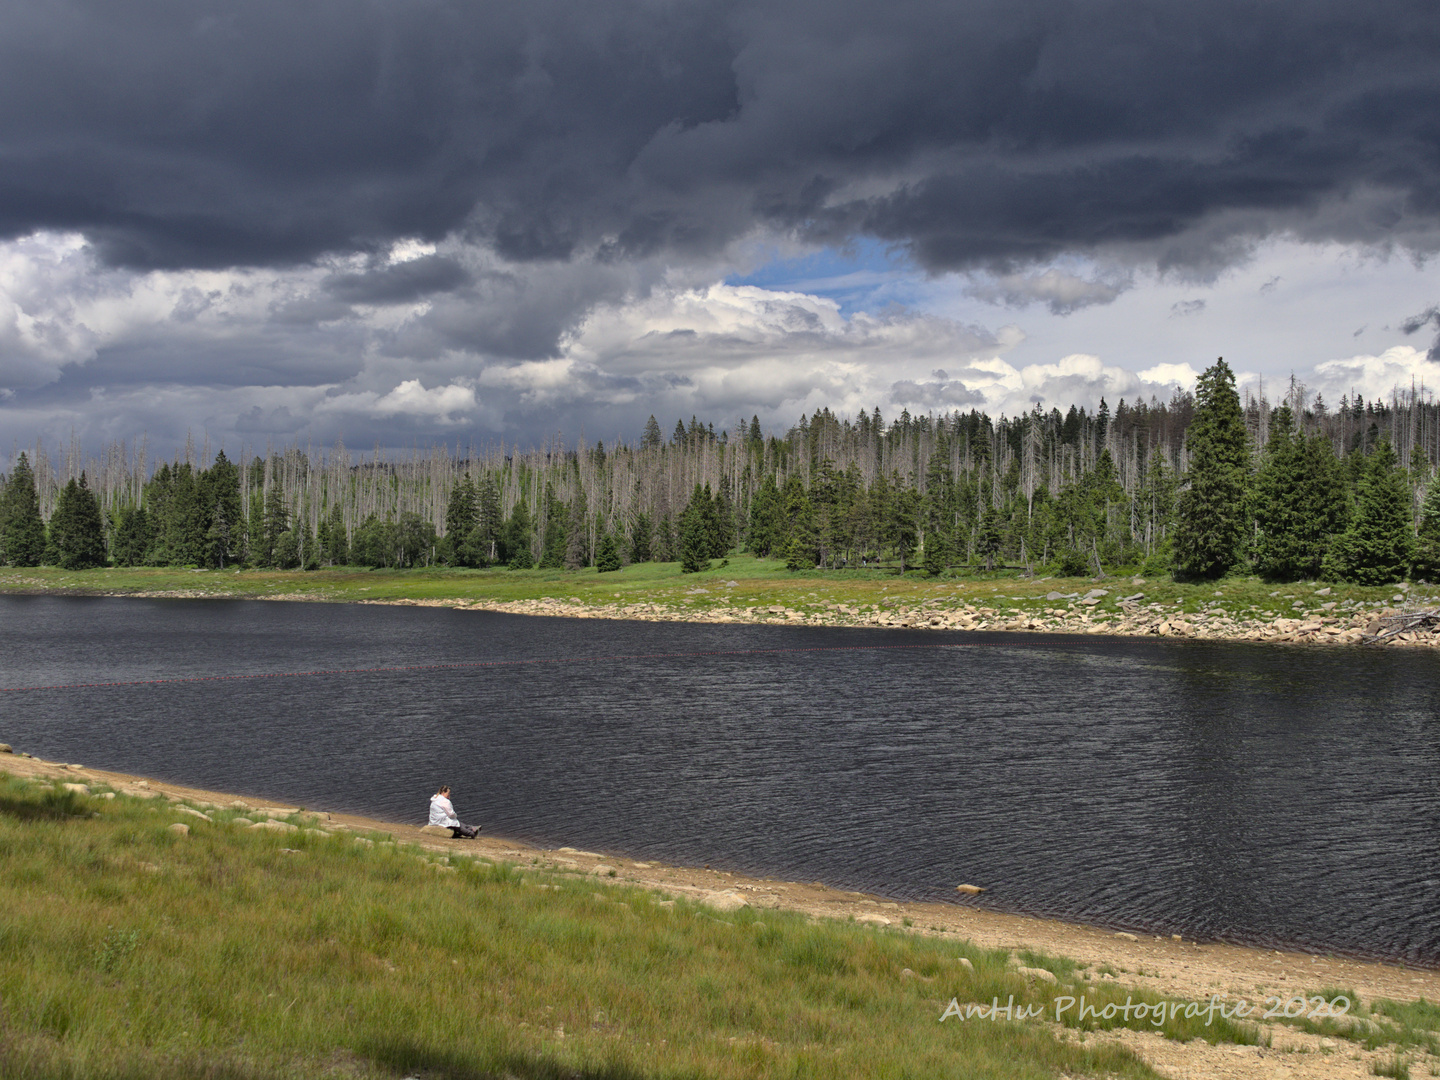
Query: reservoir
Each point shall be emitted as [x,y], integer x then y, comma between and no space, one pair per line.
[1281,796]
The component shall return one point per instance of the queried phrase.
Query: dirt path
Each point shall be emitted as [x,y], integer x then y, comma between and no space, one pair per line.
[1174,969]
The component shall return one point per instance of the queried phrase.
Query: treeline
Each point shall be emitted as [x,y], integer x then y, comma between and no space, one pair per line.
[1202,484]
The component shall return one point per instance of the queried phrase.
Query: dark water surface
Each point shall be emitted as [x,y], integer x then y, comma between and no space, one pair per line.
[1267,795]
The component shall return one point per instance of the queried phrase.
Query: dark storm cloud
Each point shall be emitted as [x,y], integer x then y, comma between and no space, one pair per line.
[269,133]
[401,283]
[1429,317]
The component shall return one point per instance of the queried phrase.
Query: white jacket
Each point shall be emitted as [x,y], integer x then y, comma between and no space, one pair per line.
[441,812]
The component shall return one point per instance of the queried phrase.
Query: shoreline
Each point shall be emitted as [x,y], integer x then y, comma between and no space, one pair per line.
[1170,967]
[1327,631]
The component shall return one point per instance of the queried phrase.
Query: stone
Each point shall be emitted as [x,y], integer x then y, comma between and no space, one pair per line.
[275,826]
[601,870]
[729,900]
[1397,598]
[107,795]
[874,919]
[5,748]
[437,830]
[1323,592]
[192,813]
[966,964]
[180,829]
[1095,594]
[969,890]
[241,821]
[1042,974]
[1132,598]
[81,768]
[1123,936]
[1052,596]
[78,789]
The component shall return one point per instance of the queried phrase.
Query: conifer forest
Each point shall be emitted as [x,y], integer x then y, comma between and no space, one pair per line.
[1202,485]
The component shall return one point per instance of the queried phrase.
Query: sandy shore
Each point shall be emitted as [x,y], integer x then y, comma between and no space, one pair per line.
[1172,968]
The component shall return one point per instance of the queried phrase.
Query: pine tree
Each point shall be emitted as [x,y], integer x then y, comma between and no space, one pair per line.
[517,535]
[132,537]
[766,518]
[695,538]
[22,531]
[218,505]
[552,552]
[1426,566]
[1379,545]
[460,517]
[607,554]
[652,438]
[1299,498]
[640,548]
[276,522]
[77,533]
[1211,523]
[489,521]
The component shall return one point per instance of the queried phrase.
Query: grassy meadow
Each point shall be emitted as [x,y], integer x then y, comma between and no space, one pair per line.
[129,950]
[741,581]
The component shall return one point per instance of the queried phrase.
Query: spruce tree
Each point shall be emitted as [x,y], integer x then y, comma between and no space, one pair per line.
[640,547]
[460,517]
[517,537]
[132,537]
[766,518]
[1299,499]
[77,534]
[22,530]
[694,539]
[218,496]
[607,554]
[1427,544]
[1211,522]
[1379,545]
[577,533]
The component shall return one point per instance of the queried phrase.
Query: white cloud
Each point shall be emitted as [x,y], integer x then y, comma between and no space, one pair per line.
[1375,376]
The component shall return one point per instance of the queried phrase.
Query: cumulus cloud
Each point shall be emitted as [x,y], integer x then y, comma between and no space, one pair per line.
[1375,376]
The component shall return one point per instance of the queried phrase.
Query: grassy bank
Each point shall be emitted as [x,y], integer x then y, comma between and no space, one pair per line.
[742,582]
[128,949]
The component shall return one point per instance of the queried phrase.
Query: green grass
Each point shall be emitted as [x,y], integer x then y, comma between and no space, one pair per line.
[757,584]
[127,950]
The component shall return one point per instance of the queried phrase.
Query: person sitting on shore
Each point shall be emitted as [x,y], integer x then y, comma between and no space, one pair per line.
[443,813]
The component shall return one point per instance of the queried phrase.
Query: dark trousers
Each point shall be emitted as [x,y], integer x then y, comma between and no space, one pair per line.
[464,832]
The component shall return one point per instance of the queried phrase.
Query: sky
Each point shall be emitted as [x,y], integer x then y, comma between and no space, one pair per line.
[405,222]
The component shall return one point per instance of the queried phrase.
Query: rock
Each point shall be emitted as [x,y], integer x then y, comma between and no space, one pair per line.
[78,789]
[1095,594]
[275,826]
[1308,627]
[729,900]
[1123,936]
[969,890]
[107,795]
[1137,581]
[1397,598]
[1131,598]
[437,830]
[1054,596]
[241,821]
[81,768]
[1329,605]
[180,829]
[871,917]
[966,964]
[192,813]
[5,748]
[601,870]
[1323,592]
[1042,974]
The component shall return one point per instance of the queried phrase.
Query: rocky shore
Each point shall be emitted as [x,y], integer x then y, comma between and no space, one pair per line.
[1070,613]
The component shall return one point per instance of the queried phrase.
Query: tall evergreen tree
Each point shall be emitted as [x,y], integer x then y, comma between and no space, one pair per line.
[652,438]
[1211,522]
[766,518]
[218,506]
[1299,500]
[77,534]
[695,537]
[132,537]
[460,517]
[607,553]
[640,548]
[577,533]
[552,551]
[1379,545]
[1426,566]
[22,531]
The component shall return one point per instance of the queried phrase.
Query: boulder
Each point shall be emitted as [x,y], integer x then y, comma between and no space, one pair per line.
[966,964]
[275,826]
[180,829]
[1042,974]
[5,748]
[192,813]
[437,830]
[78,789]
[1123,936]
[969,890]
[729,900]
[241,821]
[872,918]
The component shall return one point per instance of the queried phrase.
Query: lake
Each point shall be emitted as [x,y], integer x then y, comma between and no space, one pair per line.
[1267,795]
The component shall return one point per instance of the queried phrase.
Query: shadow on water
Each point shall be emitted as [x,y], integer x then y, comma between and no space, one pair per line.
[1259,794]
